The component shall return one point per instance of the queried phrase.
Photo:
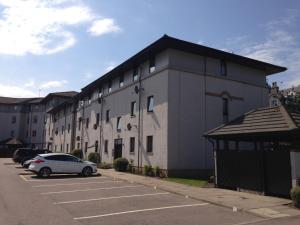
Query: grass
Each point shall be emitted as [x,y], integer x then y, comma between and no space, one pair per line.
[187,181]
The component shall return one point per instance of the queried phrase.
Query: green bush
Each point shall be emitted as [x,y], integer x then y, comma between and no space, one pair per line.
[77,153]
[105,165]
[120,164]
[94,157]
[148,170]
[295,196]
[156,171]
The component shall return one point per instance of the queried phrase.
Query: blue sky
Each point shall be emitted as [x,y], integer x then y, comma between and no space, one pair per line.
[62,45]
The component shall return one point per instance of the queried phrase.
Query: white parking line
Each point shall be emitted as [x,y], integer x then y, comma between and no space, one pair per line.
[139,210]
[64,179]
[90,189]
[54,185]
[114,197]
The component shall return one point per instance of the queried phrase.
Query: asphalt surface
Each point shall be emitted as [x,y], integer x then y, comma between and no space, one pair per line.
[67,199]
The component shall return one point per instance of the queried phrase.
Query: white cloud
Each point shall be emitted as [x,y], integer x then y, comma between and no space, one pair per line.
[30,83]
[41,26]
[103,26]
[16,91]
[281,46]
[53,84]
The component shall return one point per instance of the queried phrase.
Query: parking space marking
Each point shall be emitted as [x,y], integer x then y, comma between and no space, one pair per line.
[23,177]
[54,185]
[54,179]
[139,210]
[90,189]
[108,198]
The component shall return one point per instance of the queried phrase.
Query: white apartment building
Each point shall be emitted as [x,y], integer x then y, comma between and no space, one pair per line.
[155,107]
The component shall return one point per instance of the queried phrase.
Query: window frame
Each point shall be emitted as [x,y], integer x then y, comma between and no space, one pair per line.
[152,64]
[149,144]
[121,80]
[135,74]
[133,109]
[148,103]
[107,116]
[223,68]
[132,145]
[106,146]
[119,125]
[225,110]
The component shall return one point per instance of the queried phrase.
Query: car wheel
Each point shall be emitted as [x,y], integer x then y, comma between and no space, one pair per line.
[87,171]
[45,172]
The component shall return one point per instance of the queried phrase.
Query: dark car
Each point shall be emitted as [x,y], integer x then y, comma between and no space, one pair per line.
[23,154]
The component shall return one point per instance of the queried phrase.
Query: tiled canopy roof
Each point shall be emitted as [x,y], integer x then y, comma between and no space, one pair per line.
[259,121]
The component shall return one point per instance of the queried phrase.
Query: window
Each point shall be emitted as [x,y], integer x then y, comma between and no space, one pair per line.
[69,128]
[35,119]
[78,145]
[12,133]
[34,133]
[152,65]
[85,147]
[135,74]
[149,144]
[61,148]
[14,119]
[96,146]
[55,147]
[79,123]
[133,108]
[107,116]
[62,129]
[223,68]
[27,120]
[119,125]
[87,123]
[121,83]
[225,110]
[150,104]
[67,148]
[100,92]
[109,86]
[27,133]
[97,118]
[132,144]
[89,99]
[106,146]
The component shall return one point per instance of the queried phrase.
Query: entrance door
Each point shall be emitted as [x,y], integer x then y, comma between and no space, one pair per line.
[118,148]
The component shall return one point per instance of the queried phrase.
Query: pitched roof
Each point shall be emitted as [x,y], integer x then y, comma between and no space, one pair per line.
[12,101]
[259,121]
[66,94]
[166,42]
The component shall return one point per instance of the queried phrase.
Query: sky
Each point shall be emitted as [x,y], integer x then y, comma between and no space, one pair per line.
[63,45]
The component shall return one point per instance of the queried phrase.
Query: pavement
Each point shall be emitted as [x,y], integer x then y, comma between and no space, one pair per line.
[110,198]
[265,206]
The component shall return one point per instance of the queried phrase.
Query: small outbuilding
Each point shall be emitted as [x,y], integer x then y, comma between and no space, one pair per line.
[259,151]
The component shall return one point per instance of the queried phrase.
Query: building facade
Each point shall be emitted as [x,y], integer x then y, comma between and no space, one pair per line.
[25,118]
[154,108]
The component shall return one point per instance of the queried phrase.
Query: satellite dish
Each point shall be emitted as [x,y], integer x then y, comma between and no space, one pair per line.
[129,126]
[136,89]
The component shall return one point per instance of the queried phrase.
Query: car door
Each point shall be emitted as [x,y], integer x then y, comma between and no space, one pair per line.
[72,164]
[56,163]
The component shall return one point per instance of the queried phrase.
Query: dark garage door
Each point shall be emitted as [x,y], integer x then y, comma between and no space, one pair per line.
[263,171]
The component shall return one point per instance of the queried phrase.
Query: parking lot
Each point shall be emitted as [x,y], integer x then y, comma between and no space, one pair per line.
[104,200]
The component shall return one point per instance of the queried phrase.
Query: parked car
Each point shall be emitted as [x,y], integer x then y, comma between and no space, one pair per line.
[23,154]
[60,163]
[26,164]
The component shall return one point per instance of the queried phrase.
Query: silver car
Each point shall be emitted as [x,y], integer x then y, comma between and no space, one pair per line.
[60,163]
